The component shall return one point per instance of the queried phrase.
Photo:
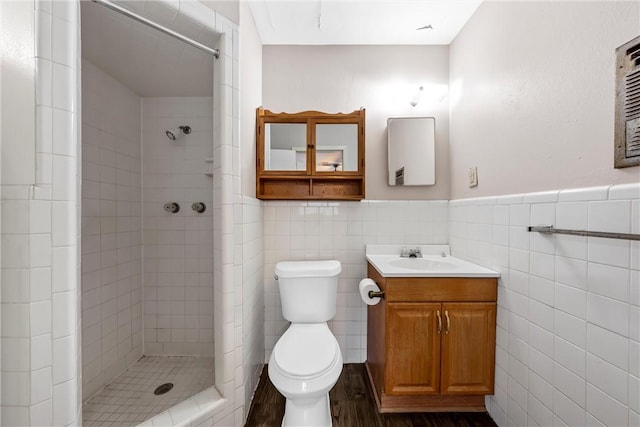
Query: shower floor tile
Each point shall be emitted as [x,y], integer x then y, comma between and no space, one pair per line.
[129,399]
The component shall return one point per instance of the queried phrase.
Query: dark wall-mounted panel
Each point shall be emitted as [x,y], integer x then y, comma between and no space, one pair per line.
[627,120]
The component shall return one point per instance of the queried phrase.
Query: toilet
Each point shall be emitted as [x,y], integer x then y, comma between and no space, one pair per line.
[306,361]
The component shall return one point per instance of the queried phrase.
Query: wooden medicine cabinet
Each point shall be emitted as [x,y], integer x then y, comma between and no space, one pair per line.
[310,155]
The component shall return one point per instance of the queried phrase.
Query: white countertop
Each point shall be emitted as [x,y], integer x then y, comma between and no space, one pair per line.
[386,259]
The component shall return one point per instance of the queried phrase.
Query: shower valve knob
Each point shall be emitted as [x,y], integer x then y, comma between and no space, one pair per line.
[172,207]
[199,207]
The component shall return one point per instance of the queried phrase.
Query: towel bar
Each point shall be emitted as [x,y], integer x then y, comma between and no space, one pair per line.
[548,229]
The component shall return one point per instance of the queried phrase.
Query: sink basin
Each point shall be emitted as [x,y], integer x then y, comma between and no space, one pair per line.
[422,264]
[386,259]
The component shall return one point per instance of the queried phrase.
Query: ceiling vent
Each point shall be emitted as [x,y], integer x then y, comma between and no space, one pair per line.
[627,126]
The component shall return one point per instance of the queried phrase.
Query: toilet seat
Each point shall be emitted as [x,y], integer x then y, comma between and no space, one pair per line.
[306,351]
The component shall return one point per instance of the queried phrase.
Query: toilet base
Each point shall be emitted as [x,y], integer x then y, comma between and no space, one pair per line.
[307,412]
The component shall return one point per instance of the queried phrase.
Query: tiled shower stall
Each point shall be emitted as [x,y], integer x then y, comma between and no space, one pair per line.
[177,293]
[41,337]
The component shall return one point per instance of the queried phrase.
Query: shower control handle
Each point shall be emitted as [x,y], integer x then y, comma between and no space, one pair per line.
[199,207]
[172,207]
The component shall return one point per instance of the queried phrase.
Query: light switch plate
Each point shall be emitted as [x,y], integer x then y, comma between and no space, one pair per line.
[473,177]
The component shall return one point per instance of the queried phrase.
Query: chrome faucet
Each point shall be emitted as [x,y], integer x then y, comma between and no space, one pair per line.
[411,252]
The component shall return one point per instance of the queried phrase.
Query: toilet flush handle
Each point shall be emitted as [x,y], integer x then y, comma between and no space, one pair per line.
[275,277]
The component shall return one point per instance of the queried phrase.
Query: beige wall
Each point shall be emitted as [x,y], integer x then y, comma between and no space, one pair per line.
[250,97]
[532,96]
[381,79]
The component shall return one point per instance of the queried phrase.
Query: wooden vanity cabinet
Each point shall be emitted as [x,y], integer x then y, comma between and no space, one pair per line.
[431,343]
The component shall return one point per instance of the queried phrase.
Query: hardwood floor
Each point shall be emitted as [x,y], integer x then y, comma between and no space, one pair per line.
[352,405]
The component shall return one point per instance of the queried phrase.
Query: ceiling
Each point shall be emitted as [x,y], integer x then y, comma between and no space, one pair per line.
[349,22]
[127,50]
[150,63]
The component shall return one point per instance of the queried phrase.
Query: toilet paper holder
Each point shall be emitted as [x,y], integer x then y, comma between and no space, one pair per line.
[376,294]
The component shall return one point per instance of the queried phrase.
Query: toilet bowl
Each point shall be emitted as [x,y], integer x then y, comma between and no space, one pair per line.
[306,361]
[304,365]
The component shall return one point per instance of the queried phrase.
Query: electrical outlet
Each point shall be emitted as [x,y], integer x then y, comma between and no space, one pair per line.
[473,177]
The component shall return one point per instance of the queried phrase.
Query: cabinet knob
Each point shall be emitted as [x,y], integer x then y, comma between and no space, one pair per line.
[439,322]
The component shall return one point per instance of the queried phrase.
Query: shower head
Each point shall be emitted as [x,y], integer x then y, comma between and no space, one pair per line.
[173,134]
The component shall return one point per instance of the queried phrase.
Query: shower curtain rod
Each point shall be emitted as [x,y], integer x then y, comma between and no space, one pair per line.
[149,23]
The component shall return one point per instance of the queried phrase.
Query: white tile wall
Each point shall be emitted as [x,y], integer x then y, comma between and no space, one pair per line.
[253,308]
[579,333]
[40,225]
[178,248]
[228,278]
[111,229]
[340,230]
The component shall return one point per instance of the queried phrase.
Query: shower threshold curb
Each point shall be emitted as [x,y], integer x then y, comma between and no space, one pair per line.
[200,406]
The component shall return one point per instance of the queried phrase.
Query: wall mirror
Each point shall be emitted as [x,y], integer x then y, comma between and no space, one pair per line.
[411,150]
[310,155]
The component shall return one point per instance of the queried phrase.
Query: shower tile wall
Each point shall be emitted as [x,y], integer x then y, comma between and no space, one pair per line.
[178,248]
[568,340]
[340,230]
[111,229]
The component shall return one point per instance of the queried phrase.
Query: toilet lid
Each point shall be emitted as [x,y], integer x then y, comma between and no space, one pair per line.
[306,350]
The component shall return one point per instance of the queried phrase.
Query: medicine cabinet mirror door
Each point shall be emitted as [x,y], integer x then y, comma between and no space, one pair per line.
[336,147]
[285,147]
[411,150]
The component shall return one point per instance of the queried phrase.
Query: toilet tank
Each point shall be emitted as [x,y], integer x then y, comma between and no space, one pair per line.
[308,290]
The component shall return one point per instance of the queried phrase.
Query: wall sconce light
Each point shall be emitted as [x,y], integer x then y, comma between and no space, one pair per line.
[416,98]
[429,95]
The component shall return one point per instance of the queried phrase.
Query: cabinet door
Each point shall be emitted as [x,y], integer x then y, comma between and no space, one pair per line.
[413,349]
[468,348]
